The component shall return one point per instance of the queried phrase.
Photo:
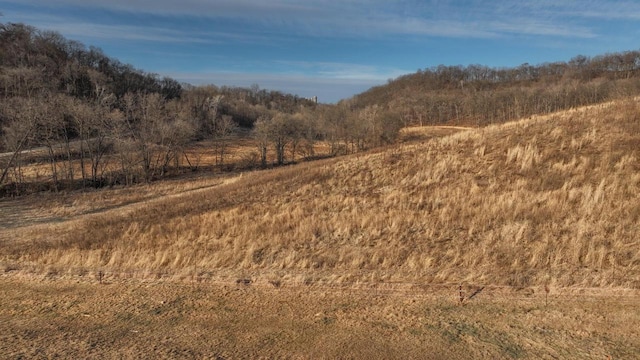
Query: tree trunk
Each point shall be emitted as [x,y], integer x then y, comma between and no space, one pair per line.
[17,151]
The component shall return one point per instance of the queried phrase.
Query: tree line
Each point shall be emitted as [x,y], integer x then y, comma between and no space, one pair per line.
[477,94]
[95,121]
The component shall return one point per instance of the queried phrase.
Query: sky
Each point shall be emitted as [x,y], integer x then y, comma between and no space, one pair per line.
[332,49]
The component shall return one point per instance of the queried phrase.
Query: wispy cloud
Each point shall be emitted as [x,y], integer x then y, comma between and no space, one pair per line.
[605,10]
[587,9]
[343,71]
[127,32]
[542,28]
[472,19]
[123,32]
[328,89]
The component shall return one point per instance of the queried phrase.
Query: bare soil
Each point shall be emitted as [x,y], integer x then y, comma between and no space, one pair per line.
[131,319]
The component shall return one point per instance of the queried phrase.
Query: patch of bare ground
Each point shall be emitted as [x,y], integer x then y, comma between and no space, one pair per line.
[80,318]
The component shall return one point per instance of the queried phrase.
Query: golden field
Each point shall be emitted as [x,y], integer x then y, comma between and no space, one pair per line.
[550,201]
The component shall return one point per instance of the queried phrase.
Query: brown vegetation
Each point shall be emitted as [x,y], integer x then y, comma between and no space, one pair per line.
[548,200]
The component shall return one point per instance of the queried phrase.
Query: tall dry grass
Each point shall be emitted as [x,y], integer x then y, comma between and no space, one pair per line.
[547,200]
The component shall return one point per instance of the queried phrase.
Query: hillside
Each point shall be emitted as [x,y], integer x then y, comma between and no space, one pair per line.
[481,95]
[546,200]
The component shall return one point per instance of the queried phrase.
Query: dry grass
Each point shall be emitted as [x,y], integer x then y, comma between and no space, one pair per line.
[133,320]
[354,257]
[549,200]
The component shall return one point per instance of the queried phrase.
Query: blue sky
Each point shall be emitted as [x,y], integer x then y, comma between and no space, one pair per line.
[332,48]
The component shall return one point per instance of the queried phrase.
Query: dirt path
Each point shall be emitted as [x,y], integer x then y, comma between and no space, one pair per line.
[37,210]
[454,127]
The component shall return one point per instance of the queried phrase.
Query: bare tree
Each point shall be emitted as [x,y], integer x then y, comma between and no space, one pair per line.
[261,133]
[19,134]
[49,132]
[152,133]
[94,125]
[223,128]
[280,133]
[180,130]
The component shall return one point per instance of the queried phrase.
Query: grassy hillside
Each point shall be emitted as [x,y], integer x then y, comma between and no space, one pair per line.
[547,200]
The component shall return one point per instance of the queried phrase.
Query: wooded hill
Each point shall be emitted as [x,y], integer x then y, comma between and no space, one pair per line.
[480,95]
[101,122]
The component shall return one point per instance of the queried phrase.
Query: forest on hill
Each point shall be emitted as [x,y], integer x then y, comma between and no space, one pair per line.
[96,121]
[480,95]
[102,122]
